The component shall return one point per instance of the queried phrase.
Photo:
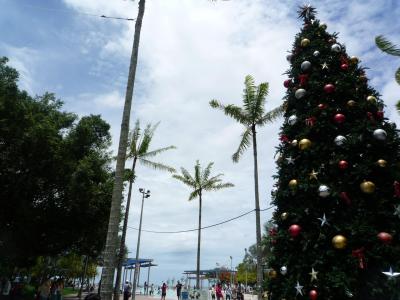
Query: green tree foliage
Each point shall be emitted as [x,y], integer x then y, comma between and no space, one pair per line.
[346,173]
[54,177]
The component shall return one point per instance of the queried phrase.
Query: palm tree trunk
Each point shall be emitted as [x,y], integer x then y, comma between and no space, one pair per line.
[198,246]
[107,277]
[123,237]
[258,222]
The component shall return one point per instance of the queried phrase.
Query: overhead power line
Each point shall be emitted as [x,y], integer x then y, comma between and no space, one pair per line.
[205,227]
[78,12]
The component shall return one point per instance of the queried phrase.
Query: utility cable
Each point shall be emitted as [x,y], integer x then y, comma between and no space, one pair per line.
[205,227]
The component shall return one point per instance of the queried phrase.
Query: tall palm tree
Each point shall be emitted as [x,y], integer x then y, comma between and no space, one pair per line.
[138,151]
[251,115]
[107,275]
[199,183]
[392,49]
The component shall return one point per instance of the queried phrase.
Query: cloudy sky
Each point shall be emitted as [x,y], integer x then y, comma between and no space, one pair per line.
[190,52]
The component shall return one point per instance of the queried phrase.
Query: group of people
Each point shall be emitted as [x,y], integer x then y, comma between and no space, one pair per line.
[50,290]
[236,292]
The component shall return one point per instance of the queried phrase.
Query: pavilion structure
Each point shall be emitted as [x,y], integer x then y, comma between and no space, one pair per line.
[212,275]
[129,267]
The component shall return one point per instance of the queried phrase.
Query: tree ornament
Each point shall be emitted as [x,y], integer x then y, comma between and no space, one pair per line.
[380,115]
[323,220]
[336,48]
[323,26]
[290,160]
[340,140]
[313,175]
[363,78]
[339,118]
[305,66]
[371,99]
[316,53]
[385,237]
[284,216]
[293,184]
[329,88]
[303,78]
[344,67]
[292,120]
[343,165]
[380,134]
[332,40]
[397,211]
[313,295]
[339,242]
[367,187]
[305,42]
[313,275]
[351,103]
[324,191]
[272,274]
[274,191]
[294,230]
[284,138]
[289,57]
[304,144]
[287,83]
[382,163]
[359,253]
[354,60]
[322,106]
[300,93]
[299,289]
[324,66]
[390,274]
[283,270]
[294,143]
[345,197]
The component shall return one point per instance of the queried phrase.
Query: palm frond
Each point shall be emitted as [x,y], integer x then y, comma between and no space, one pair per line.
[244,144]
[147,137]
[194,194]
[262,93]
[157,151]
[187,175]
[249,93]
[272,115]
[386,46]
[157,166]
[197,173]
[222,186]
[134,139]
[397,75]
[184,180]
[232,111]
[207,171]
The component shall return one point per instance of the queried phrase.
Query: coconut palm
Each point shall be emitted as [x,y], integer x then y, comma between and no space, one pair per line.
[251,115]
[199,183]
[392,49]
[138,151]
[111,245]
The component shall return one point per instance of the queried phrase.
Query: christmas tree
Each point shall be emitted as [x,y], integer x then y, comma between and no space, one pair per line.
[337,196]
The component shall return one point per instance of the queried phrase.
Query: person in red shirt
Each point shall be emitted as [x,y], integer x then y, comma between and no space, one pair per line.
[218,291]
[163,291]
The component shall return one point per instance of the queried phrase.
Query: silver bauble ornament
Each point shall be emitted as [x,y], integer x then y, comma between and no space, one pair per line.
[324,191]
[340,140]
[316,53]
[336,48]
[283,270]
[305,65]
[380,134]
[274,190]
[300,93]
[289,57]
[292,120]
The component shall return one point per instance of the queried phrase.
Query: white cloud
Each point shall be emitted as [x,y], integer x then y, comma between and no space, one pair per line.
[111,100]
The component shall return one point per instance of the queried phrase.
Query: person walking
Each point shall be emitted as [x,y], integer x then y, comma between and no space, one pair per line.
[213,292]
[127,290]
[178,290]
[228,292]
[44,290]
[163,291]
[218,291]
[151,289]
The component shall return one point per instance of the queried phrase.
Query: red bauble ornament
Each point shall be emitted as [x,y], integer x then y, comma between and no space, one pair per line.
[344,67]
[287,83]
[343,165]
[385,237]
[322,106]
[380,114]
[329,88]
[294,230]
[345,197]
[303,78]
[339,118]
[313,295]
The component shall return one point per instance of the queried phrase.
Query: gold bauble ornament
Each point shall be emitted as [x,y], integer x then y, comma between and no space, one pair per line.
[351,103]
[382,163]
[371,99]
[294,143]
[305,42]
[304,144]
[367,187]
[293,183]
[284,216]
[354,60]
[272,274]
[339,242]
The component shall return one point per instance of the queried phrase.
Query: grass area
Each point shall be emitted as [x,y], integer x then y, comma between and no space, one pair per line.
[69,291]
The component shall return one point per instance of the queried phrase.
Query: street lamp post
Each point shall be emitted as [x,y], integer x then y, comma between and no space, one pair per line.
[245,264]
[135,276]
[231,270]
